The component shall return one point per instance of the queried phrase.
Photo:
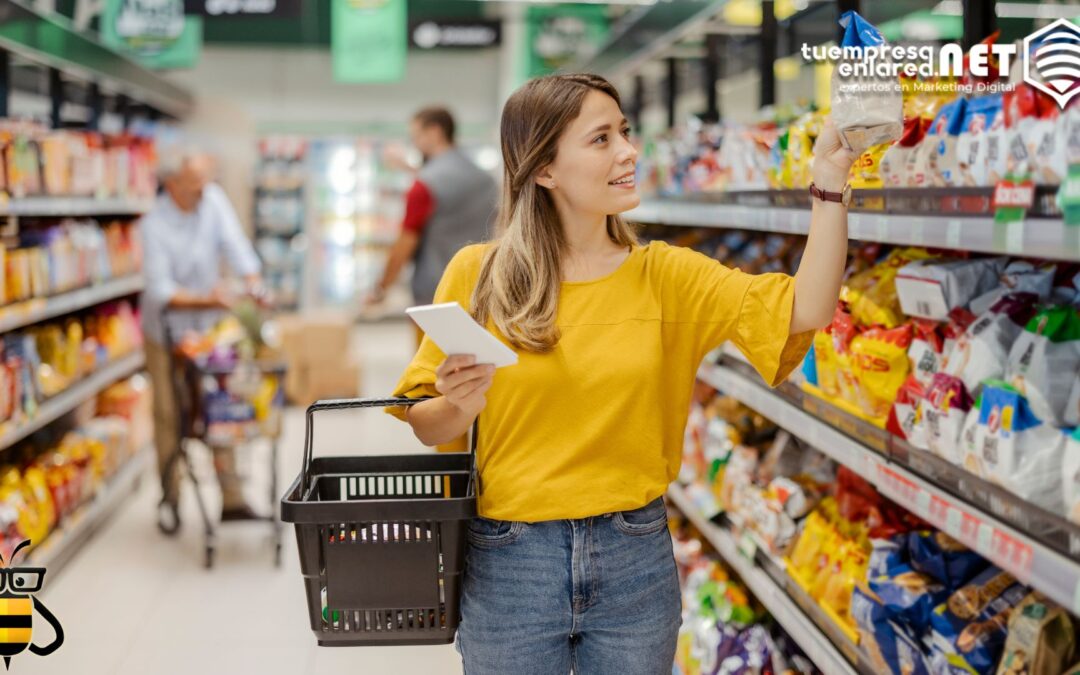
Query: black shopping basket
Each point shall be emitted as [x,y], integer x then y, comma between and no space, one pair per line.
[381,539]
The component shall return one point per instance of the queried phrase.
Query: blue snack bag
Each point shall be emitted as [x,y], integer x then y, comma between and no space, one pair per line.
[867,108]
[908,596]
[943,558]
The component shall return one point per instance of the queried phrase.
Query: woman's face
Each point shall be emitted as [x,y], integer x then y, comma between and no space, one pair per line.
[594,164]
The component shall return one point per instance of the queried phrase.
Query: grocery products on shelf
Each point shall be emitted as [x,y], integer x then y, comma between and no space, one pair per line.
[68,255]
[48,478]
[913,599]
[281,177]
[724,630]
[39,161]
[44,359]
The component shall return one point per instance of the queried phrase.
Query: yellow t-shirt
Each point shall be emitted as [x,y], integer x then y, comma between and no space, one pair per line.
[596,425]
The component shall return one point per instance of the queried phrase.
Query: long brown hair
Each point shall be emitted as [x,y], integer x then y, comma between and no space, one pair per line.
[518,287]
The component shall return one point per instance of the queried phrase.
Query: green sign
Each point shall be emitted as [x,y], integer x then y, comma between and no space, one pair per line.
[368,40]
[558,35]
[157,35]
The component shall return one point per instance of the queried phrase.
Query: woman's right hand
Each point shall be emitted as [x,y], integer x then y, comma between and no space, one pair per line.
[464,383]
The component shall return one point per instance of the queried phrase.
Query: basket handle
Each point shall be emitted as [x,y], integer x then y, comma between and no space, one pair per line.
[348,403]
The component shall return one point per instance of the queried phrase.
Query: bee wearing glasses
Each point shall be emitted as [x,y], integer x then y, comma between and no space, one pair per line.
[17,604]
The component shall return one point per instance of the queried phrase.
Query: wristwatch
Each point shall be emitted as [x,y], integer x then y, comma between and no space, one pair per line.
[843,197]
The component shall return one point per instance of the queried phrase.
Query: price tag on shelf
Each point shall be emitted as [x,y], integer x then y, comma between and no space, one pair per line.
[985,540]
[953,520]
[1014,236]
[917,234]
[922,503]
[953,230]
[881,227]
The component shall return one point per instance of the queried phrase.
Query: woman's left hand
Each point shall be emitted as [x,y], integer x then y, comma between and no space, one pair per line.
[832,161]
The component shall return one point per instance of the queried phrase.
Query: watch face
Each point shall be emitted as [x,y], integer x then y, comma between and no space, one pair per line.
[845,199]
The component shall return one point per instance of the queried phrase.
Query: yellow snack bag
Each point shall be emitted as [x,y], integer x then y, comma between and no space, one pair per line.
[866,171]
[879,358]
[825,360]
[871,294]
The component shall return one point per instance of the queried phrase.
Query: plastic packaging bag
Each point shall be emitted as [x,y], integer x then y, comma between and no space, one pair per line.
[1070,477]
[867,110]
[981,352]
[1018,451]
[944,409]
[969,629]
[1044,364]
[930,289]
[1019,276]
[972,157]
[881,365]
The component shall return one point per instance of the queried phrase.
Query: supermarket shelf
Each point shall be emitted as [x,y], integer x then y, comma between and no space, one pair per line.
[768,591]
[50,39]
[1037,237]
[1055,573]
[53,408]
[73,206]
[65,541]
[27,312]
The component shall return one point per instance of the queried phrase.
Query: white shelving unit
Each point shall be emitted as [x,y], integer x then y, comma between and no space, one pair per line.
[776,600]
[57,406]
[46,207]
[1029,560]
[63,542]
[1037,237]
[27,312]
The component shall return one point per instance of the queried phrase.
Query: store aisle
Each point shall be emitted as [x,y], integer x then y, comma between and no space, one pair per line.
[133,602]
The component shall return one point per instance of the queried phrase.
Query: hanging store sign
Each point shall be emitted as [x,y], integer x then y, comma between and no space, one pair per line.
[368,40]
[455,34]
[243,8]
[561,34]
[157,34]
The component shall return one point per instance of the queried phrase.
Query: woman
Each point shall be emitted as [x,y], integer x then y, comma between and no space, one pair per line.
[570,564]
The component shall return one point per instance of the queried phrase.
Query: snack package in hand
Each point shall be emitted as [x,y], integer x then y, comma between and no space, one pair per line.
[867,110]
[1070,478]
[1044,364]
[981,352]
[1018,451]
[930,289]
[1041,641]
[1018,276]
[969,628]
[881,366]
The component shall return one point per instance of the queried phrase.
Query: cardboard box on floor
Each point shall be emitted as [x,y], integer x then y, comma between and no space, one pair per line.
[318,356]
[305,385]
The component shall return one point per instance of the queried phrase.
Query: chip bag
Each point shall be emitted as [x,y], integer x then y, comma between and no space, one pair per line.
[930,289]
[867,109]
[946,405]
[1044,364]
[871,294]
[1071,477]
[981,352]
[881,365]
[942,162]
[944,559]
[971,145]
[1018,451]
[969,629]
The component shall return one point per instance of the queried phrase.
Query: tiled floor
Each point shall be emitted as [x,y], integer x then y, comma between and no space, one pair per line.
[135,603]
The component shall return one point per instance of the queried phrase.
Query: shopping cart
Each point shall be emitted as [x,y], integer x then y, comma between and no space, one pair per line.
[382,539]
[205,403]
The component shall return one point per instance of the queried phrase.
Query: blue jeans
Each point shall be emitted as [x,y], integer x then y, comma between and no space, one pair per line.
[597,595]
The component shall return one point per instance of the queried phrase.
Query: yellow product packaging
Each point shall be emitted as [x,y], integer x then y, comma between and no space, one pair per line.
[800,150]
[4,298]
[71,348]
[871,294]
[838,590]
[827,366]
[866,171]
[40,498]
[808,546]
[880,366]
[39,272]
[17,273]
